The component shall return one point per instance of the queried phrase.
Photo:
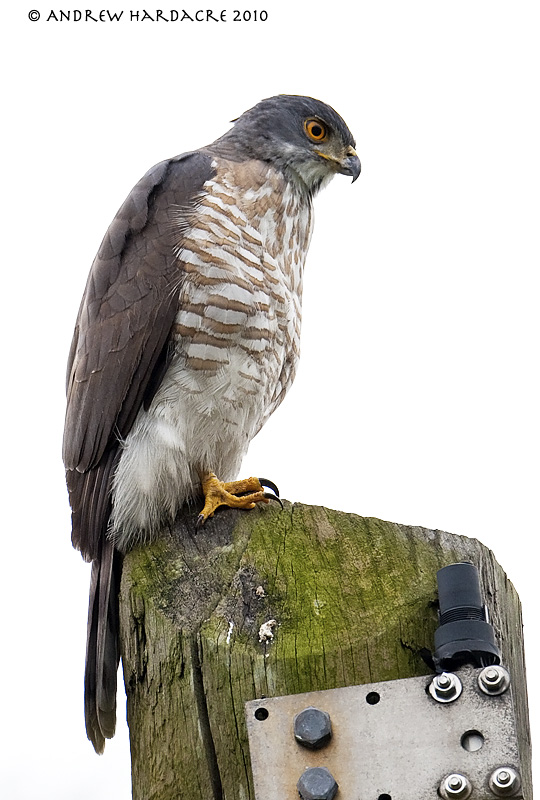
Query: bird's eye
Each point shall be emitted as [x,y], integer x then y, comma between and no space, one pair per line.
[315,130]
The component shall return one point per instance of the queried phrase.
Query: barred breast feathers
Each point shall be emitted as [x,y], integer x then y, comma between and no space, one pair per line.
[243,256]
[236,340]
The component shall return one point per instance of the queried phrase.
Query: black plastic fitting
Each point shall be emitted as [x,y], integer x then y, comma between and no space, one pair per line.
[464,635]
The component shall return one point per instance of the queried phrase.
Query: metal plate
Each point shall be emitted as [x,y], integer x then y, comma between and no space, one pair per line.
[399,747]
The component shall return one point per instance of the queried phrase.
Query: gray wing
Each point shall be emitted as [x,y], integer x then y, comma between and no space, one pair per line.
[119,347]
[117,358]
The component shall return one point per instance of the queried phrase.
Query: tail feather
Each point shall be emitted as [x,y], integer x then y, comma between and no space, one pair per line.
[102,648]
[90,500]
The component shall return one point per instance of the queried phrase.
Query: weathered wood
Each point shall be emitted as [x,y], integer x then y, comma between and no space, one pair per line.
[354,600]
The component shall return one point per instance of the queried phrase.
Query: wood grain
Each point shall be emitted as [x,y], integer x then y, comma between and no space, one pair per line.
[354,601]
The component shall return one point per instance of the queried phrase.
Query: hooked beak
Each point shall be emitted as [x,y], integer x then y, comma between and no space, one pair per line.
[350,164]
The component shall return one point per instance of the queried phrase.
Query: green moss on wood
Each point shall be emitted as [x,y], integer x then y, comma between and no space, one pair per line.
[354,602]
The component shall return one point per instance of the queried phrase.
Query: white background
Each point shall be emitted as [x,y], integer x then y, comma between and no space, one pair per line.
[417,395]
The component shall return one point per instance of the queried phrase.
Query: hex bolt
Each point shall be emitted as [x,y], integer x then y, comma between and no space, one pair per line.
[317,783]
[455,787]
[494,680]
[504,782]
[445,688]
[312,728]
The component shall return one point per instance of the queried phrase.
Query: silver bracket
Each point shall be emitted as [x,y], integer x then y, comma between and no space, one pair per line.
[406,739]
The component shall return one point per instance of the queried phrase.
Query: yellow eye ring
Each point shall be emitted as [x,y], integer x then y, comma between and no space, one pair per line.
[315,130]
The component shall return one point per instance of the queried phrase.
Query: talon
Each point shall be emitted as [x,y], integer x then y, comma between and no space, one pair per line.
[270,496]
[269,485]
[235,494]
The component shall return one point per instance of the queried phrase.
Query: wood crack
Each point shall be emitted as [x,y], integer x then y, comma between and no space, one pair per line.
[204,718]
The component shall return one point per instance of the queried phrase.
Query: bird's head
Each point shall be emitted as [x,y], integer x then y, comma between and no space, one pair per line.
[304,137]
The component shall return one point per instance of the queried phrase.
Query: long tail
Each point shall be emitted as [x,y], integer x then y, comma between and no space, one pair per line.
[102,646]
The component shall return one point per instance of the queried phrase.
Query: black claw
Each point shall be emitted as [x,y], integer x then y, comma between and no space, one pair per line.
[270,496]
[200,522]
[269,485]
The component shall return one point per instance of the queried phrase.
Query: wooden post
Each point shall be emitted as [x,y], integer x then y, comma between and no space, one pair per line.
[347,599]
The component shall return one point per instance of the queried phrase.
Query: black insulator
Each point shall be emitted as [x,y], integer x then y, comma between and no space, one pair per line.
[464,635]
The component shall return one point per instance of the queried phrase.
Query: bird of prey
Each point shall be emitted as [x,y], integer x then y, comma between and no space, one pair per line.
[187,340]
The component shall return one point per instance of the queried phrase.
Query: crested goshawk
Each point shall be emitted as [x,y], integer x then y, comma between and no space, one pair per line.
[187,339]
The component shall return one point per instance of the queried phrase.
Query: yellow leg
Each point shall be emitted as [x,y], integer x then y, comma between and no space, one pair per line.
[217,493]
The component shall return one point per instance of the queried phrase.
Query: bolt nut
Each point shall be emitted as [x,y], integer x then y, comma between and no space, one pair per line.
[317,783]
[494,680]
[312,728]
[445,688]
[504,782]
[455,787]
